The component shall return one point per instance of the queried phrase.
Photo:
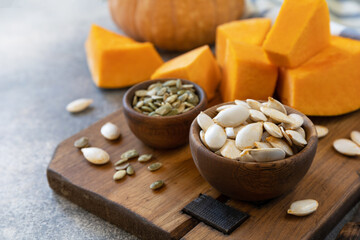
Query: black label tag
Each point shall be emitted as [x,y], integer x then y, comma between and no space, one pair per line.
[215,214]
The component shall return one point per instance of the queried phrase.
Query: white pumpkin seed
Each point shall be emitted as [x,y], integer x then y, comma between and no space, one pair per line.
[253,104]
[262,145]
[257,116]
[224,107]
[215,137]
[204,121]
[279,143]
[79,105]
[276,115]
[264,136]
[286,136]
[303,207]
[296,138]
[321,131]
[273,103]
[230,133]
[95,155]
[273,129]
[267,154]
[355,137]
[232,117]
[246,157]
[346,147]
[202,138]
[248,135]
[297,121]
[119,175]
[241,103]
[301,131]
[145,157]
[110,131]
[229,150]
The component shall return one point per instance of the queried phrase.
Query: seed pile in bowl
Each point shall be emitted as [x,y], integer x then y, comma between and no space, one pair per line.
[165,99]
[250,131]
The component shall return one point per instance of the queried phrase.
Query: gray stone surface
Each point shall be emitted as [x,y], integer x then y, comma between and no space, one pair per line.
[42,68]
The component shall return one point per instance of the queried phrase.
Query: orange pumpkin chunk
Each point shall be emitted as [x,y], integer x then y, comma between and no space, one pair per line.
[116,61]
[247,73]
[328,84]
[252,31]
[198,66]
[301,30]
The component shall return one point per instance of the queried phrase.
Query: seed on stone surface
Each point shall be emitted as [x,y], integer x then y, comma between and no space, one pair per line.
[204,121]
[346,147]
[157,185]
[273,129]
[355,137]
[122,166]
[229,150]
[303,207]
[232,117]
[79,105]
[155,166]
[296,138]
[145,157]
[267,154]
[253,104]
[121,161]
[130,170]
[215,137]
[322,131]
[279,143]
[110,131]
[248,135]
[119,175]
[129,154]
[257,116]
[95,155]
[141,93]
[81,142]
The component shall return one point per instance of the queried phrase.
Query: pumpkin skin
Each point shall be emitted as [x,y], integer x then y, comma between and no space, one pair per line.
[175,25]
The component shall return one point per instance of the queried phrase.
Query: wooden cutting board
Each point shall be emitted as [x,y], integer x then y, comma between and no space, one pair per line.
[333,180]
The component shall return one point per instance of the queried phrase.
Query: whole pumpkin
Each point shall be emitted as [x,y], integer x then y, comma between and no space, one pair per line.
[177,25]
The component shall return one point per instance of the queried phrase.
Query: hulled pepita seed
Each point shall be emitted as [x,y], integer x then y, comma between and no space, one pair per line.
[154,85]
[183,97]
[346,147]
[139,104]
[121,161]
[303,207]
[355,137]
[147,109]
[156,97]
[170,83]
[181,92]
[137,109]
[187,109]
[163,110]
[181,108]
[119,175]
[178,83]
[321,131]
[172,98]
[141,93]
[130,170]
[79,105]
[176,104]
[161,92]
[129,154]
[153,114]
[110,131]
[152,106]
[155,166]
[187,86]
[81,142]
[122,166]
[172,112]
[157,185]
[145,157]
[135,100]
[95,155]
[188,104]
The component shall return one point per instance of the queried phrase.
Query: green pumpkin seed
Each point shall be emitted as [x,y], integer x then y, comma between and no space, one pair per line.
[178,84]
[172,112]
[172,90]
[147,100]
[135,100]
[119,175]
[129,154]
[188,109]
[157,185]
[139,104]
[137,109]
[122,160]
[154,85]
[181,108]
[152,106]
[146,109]
[171,98]
[176,104]
[183,97]
[169,83]
[155,166]
[161,92]
[188,104]
[163,110]
[153,114]
[141,93]
[81,142]
[188,86]
[122,166]
[157,97]
[145,157]
[130,170]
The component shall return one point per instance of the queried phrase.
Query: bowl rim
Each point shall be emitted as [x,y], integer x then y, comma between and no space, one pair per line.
[311,141]
[129,95]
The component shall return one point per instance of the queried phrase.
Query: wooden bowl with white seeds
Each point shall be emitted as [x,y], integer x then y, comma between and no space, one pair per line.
[257,166]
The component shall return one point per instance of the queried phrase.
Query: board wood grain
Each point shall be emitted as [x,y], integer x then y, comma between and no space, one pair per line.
[333,180]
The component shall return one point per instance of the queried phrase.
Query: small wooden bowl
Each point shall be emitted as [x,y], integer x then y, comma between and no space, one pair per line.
[252,181]
[161,132]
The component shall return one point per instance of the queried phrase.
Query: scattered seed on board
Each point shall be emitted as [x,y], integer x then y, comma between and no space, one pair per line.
[355,137]
[157,185]
[130,170]
[122,166]
[95,155]
[322,131]
[119,175]
[110,131]
[122,160]
[79,105]
[303,207]
[129,154]
[155,166]
[82,142]
[346,147]
[145,157]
